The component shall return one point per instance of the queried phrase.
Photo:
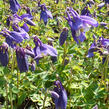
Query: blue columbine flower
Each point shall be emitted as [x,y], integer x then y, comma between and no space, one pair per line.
[28,14]
[59,95]
[63,36]
[29,21]
[100,46]
[25,27]
[14,5]
[13,19]
[12,37]
[42,50]
[21,30]
[90,3]
[101,5]
[8,21]
[4,58]
[57,1]
[45,14]
[86,11]
[95,107]
[22,59]
[79,24]
[106,1]
[33,67]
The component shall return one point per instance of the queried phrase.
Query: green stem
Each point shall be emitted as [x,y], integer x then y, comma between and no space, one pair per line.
[44,101]
[64,55]
[17,79]
[11,99]
[105,77]
[6,95]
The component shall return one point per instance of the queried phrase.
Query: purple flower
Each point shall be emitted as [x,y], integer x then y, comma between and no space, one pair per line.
[86,11]
[14,5]
[45,14]
[73,1]
[25,27]
[79,24]
[14,19]
[106,1]
[101,5]
[12,37]
[90,3]
[28,14]
[103,24]
[33,67]
[59,95]
[8,21]
[101,46]
[42,50]
[22,60]
[57,1]
[95,107]
[22,30]
[29,21]
[63,36]
[4,58]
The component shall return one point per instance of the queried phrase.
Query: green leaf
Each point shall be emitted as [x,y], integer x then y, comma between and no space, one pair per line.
[15,90]
[22,98]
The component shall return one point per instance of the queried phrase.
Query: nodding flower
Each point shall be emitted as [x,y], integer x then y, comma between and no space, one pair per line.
[4,58]
[95,107]
[12,37]
[22,58]
[41,50]
[106,1]
[21,30]
[86,11]
[33,67]
[14,5]
[28,13]
[63,36]
[25,27]
[59,95]
[99,46]
[45,14]
[79,24]
[29,21]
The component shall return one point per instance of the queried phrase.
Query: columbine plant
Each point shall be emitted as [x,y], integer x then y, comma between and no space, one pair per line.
[79,24]
[59,95]
[63,36]
[14,5]
[12,37]
[22,58]
[86,11]
[42,50]
[45,14]
[4,58]
[101,46]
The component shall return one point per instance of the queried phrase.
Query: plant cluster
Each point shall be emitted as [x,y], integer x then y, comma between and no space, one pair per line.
[54,54]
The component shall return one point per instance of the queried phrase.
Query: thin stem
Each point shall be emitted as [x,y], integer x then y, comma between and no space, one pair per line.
[44,101]
[64,55]
[6,86]
[11,99]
